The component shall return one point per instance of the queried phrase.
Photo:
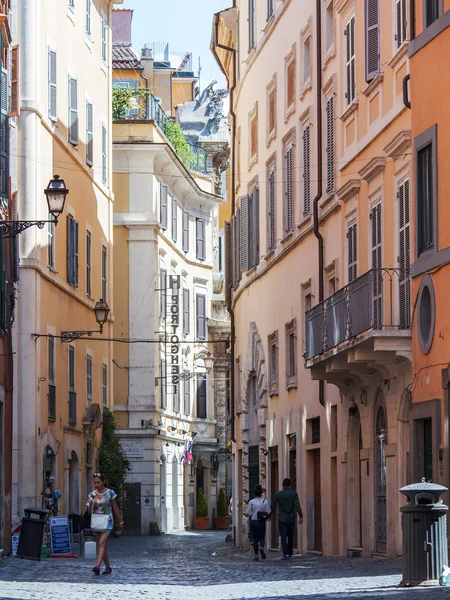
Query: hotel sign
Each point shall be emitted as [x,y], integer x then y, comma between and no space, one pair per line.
[172,339]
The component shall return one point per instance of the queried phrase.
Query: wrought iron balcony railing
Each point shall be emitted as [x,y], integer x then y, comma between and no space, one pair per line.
[378,299]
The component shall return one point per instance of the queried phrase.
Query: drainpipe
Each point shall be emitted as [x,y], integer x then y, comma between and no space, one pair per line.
[233,206]
[319,164]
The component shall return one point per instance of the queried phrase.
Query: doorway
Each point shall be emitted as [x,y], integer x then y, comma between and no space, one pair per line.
[131,506]
[274,530]
[74,484]
[175,516]
[380,483]
[314,502]
[253,470]
[293,474]
[354,504]
[162,494]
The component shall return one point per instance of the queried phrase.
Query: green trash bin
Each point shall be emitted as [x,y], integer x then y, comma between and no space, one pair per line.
[424,526]
[32,533]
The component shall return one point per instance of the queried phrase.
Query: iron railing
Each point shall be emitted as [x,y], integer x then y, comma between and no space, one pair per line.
[149,109]
[51,401]
[72,408]
[366,303]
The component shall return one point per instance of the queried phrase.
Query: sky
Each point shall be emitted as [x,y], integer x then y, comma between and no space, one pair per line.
[185,24]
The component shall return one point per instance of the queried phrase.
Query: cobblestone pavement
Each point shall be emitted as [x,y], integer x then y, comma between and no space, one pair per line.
[201,566]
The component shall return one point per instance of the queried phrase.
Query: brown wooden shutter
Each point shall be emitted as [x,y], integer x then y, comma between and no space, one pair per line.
[372,39]
[271,229]
[376,266]
[404,256]
[14,82]
[330,144]
[289,191]
[306,171]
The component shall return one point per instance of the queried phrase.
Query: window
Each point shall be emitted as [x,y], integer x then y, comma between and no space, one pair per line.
[431,11]
[104,154]
[334,428]
[187,396]
[306,143]
[425,198]
[330,144]
[291,354]
[352,252]
[350,93]
[174,219]
[306,59]
[105,385]
[88,264]
[423,433]
[290,83]
[163,206]
[73,111]
[72,250]
[50,242]
[14,109]
[185,231]
[404,255]
[200,312]
[176,398]
[89,376]
[329,25]
[72,394]
[273,363]
[51,379]
[89,133]
[128,83]
[377,258]
[88,18]
[270,8]
[271,209]
[104,39]
[372,14]
[288,203]
[201,396]
[104,273]
[402,22]
[254,136]
[249,230]
[314,427]
[186,312]
[272,111]
[52,87]
[163,381]
[72,5]
[200,238]
[251,25]
[4,138]
[163,292]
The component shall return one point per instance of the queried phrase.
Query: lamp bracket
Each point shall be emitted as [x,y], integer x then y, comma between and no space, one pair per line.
[71,336]
[12,228]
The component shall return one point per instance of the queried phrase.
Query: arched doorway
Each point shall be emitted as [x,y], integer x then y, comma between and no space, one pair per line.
[163,492]
[74,484]
[48,481]
[380,478]
[176,523]
[354,504]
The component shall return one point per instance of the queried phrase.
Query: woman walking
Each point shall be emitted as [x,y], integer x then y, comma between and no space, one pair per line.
[259,511]
[103,503]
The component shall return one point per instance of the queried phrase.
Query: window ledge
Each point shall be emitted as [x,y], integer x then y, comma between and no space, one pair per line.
[373,85]
[351,108]
[274,393]
[287,238]
[399,56]
[269,254]
[327,198]
[251,271]
[269,22]
[71,16]
[328,56]
[291,386]
[306,219]
[270,137]
[250,55]
[306,87]
[289,111]
[88,43]
[104,68]
[253,160]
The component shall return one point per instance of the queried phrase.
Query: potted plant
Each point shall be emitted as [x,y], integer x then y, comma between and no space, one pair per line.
[222,519]
[202,520]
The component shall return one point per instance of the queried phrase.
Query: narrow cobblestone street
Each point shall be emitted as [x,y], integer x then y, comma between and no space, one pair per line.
[183,566]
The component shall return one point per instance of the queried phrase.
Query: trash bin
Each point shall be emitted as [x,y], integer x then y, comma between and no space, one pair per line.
[32,533]
[424,525]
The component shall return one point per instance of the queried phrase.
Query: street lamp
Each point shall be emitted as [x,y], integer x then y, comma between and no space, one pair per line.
[208,361]
[55,193]
[101,311]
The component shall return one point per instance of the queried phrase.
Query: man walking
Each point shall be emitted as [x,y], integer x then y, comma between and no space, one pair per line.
[288,506]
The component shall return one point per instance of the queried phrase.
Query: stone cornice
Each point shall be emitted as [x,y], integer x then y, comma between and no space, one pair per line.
[349,189]
[399,145]
[374,167]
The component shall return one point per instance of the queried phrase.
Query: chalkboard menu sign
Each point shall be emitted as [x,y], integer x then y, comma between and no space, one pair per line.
[60,535]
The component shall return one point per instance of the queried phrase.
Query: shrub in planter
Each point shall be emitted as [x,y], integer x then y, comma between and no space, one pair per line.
[222,519]
[202,520]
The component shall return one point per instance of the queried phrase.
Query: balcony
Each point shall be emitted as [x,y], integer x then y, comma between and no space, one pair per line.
[367,321]
[72,408]
[145,107]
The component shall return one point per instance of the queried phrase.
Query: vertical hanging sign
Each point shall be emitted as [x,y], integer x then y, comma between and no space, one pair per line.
[173,300]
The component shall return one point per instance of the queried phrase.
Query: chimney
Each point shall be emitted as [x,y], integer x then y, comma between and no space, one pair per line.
[121,25]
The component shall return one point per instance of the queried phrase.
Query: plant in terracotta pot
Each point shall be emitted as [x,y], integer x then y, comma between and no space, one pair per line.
[222,519]
[202,519]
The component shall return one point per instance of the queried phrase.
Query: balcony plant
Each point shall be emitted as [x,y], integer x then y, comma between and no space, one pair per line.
[222,519]
[202,519]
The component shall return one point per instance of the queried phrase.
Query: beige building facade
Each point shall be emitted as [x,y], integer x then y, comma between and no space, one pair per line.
[319,264]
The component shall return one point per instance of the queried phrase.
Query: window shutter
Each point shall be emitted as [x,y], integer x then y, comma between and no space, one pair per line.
[104,38]
[330,145]
[163,293]
[187,397]
[200,234]
[254,228]
[228,260]
[402,24]
[104,154]
[163,381]
[352,255]
[306,171]
[14,82]
[201,396]
[89,133]
[14,241]
[174,219]
[52,88]
[289,191]
[51,360]
[200,305]
[4,139]
[269,8]
[372,40]
[272,235]
[73,111]
[251,24]
[376,266]
[243,234]
[104,273]
[88,263]
[404,257]
[186,312]
[88,17]
[163,206]
[185,231]
[75,236]
[350,61]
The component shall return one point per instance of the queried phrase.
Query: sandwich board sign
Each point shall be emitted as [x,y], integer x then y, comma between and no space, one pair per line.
[60,536]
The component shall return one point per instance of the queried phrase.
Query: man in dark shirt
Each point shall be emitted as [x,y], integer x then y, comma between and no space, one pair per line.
[288,505]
